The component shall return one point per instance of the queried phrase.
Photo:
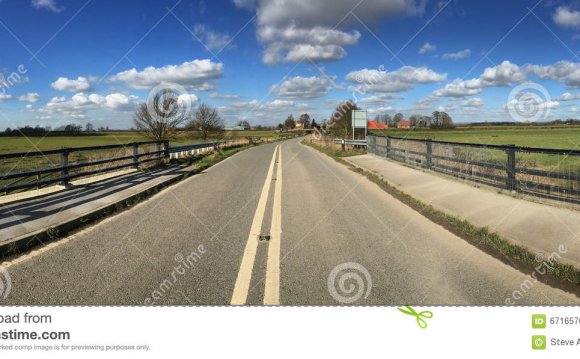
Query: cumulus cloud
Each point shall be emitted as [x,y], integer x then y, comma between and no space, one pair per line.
[504,74]
[403,79]
[197,74]
[47,4]
[214,41]
[31,97]
[460,88]
[563,71]
[303,87]
[296,30]
[80,103]
[5,97]
[473,102]
[463,54]
[78,85]
[566,17]
[427,47]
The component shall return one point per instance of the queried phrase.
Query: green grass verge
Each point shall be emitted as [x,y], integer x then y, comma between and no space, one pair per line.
[562,137]
[490,242]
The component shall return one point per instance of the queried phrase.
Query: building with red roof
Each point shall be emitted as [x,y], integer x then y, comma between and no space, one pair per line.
[374,125]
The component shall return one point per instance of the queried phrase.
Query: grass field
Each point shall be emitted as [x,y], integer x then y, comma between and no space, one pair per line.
[25,144]
[563,137]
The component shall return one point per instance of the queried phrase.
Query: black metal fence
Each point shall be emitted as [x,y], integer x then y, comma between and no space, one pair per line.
[544,172]
[38,169]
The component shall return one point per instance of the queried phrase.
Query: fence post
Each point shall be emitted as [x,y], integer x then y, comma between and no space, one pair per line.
[388,147]
[429,157]
[136,155]
[166,148]
[159,155]
[343,146]
[64,164]
[511,168]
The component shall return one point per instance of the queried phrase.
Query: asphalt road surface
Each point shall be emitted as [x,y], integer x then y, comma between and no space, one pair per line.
[328,236]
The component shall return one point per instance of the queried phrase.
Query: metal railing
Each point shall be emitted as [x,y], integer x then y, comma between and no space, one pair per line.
[61,166]
[543,172]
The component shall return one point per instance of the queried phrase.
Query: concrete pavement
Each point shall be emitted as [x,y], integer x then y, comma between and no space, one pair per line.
[539,227]
[188,244]
[25,221]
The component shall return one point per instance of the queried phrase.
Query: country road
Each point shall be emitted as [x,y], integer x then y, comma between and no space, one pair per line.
[197,243]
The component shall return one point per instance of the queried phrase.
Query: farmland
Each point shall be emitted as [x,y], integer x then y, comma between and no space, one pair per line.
[562,137]
[25,144]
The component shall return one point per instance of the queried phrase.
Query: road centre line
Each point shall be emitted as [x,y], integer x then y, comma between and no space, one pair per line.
[242,286]
[272,287]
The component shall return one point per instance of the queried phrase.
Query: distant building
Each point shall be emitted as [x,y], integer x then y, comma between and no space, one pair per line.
[374,125]
[404,124]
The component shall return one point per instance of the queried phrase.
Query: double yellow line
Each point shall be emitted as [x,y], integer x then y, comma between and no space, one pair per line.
[272,286]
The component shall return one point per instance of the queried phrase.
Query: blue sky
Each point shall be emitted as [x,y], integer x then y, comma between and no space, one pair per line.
[80,61]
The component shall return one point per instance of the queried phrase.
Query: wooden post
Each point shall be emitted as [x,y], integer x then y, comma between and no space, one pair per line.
[64,164]
[511,168]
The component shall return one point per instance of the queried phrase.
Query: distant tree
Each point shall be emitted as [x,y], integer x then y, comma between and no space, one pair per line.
[314,124]
[290,123]
[398,118]
[441,120]
[244,124]
[305,120]
[8,131]
[281,127]
[341,122]
[89,127]
[160,116]
[207,122]
[72,129]
[415,119]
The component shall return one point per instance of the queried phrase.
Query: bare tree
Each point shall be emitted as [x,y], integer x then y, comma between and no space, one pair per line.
[161,115]
[207,122]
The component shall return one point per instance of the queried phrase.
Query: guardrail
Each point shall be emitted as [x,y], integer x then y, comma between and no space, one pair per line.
[342,142]
[543,172]
[60,166]
[38,169]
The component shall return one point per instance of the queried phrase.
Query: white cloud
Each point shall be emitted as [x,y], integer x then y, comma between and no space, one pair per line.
[460,88]
[245,105]
[405,78]
[47,4]
[296,30]
[504,74]
[5,97]
[473,102]
[378,99]
[78,85]
[427,47]
[463,54]
[214,41]
[292,44]
[246,4]
[196,74]
[220,96]
[563,71]
[80,103]
[567,96]
[517,104]
[565,17]
[303,87]
[31,97]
